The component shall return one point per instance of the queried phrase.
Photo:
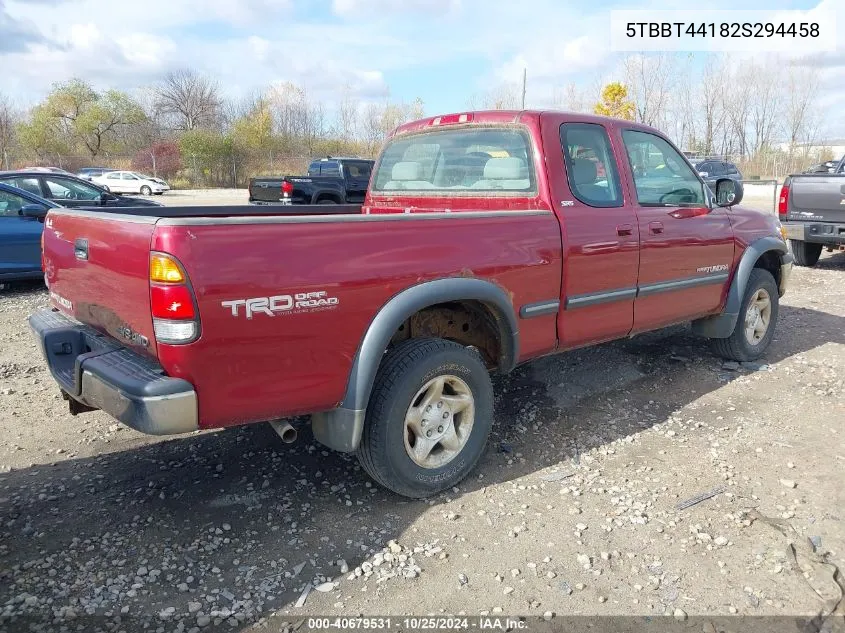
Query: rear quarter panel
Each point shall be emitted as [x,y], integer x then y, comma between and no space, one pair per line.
[268,367]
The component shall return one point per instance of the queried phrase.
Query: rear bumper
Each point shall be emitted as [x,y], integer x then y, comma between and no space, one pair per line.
[97,372]
[283,202]
[831,233]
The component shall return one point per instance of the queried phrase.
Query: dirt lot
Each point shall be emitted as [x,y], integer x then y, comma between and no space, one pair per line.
[571,511]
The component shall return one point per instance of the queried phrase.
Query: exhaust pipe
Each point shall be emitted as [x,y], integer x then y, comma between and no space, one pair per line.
[284,430]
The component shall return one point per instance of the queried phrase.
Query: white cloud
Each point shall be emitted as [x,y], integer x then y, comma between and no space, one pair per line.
[367,8]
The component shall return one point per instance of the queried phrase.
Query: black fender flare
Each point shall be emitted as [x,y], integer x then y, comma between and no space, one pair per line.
[341,428]
[722,325]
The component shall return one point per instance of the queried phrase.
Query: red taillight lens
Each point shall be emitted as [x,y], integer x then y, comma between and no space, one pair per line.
[175,319]
[287,188]
[783,201]
[171,302]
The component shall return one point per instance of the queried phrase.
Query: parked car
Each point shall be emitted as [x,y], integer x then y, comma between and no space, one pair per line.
[812,209]
[69,191]
[21,224]
[87,173]
[712,170]
[328,181]
[214,317]
[130,182]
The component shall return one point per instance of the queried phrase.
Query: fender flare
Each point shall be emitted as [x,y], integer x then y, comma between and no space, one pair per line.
[341,428]
[722,325]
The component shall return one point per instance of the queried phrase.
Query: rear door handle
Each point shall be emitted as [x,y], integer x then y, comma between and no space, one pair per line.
[624,229]
[655,227]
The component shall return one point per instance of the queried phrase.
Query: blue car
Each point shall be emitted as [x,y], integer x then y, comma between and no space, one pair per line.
[21,223]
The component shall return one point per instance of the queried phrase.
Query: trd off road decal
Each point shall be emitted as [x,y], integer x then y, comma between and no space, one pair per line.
[298,303]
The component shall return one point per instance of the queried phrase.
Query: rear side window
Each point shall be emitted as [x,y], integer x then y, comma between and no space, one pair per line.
[357,170]
[590,165]
[27,184]
[467,161]
[329,168]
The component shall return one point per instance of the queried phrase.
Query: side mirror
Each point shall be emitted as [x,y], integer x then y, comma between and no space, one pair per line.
[105,197]
[703,174]
[34,210]
[728,192]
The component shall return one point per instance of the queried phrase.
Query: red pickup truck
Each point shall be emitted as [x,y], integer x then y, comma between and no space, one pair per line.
[484,241]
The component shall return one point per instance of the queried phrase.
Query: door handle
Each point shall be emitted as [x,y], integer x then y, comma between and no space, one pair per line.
[624,229]
[655,227]
[80,248]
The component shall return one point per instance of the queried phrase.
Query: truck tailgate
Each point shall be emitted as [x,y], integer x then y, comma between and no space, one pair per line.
[820,198]
[265,189]
[97,270]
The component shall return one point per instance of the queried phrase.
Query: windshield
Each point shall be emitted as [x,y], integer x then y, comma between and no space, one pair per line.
[469,160]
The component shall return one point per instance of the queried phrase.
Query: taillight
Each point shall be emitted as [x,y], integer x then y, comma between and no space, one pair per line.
[783,200]
[287,188]
[172,302]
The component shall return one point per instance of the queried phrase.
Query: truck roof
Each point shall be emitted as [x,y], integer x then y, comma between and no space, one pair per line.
[511,116]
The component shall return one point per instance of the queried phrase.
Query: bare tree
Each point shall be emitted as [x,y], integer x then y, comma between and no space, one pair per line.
[650,79]
[189,100]
[8,119]
[574,98]
[347,115]
[765,104]
[712,100]
[507,96]
[801,88]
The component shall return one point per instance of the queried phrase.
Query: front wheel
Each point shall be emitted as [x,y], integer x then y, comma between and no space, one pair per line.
[755,326]
[430,413]
[805,253]
[146,191]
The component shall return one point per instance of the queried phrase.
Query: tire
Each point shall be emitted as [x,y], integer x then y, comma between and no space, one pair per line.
[805,253]
[386,444]
[737,346]
[326,201]
[146,191]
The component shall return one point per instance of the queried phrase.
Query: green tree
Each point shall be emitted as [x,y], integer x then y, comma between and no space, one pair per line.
[614,102]
[254,130]
[41,134]
[90,119]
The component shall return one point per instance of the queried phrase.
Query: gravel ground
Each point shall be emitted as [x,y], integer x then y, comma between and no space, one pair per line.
[573,509]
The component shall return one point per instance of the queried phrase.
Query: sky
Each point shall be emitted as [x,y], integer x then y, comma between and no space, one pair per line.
[444,51]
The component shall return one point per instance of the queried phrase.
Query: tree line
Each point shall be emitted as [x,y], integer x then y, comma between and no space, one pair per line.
[762,114]
[184,128]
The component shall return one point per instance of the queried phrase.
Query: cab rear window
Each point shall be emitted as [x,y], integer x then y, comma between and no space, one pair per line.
[464,161]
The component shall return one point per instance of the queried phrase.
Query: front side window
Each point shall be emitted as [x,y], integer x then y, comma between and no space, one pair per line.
[590,165]
[464,161]
[330,169]
[128,176]
[661,176]
[70,189]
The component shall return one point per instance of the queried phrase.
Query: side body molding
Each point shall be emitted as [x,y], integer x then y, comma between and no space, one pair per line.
[340,429]
[721,325]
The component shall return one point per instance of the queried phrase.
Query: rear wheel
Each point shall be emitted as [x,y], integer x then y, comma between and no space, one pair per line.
[755,326]
[146,191]
[429,417]
[805,253]
[326,201]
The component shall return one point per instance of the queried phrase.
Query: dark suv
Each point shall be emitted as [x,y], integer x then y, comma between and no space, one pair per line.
[712,170]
